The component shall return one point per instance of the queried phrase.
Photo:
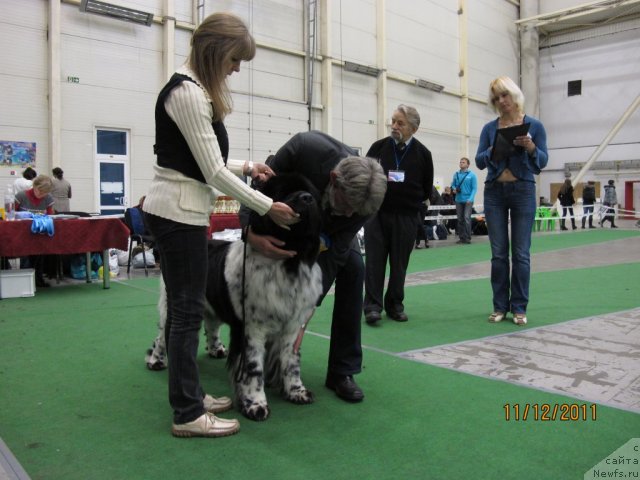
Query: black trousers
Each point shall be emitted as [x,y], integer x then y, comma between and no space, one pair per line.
[388,236]
[347,271]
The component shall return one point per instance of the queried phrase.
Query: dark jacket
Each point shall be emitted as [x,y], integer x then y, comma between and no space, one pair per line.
[314,154]
[588,195]
[416,163]
[566,197]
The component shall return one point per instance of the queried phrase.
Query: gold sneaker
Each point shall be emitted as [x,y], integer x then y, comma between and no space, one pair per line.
[216,405]
[206,425]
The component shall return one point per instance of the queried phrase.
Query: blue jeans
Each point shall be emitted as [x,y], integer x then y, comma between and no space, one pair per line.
[463,210]
[515,201]
[587,212]
[184,264]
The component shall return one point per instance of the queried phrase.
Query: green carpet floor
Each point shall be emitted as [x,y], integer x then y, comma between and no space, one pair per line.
[76,401]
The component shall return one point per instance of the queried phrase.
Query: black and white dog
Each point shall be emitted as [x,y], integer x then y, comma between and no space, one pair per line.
[279,297]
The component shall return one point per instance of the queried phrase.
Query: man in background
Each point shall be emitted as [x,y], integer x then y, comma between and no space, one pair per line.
[464,185]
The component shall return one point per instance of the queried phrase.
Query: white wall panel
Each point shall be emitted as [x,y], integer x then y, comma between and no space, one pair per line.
[77,153]
[259,126]
[23,80]
[24,102]
[354,108]
[272,74]
[108,30]
[279,23]
[422,40]
[493,48]
[354,31]
[30,14]
[24,51]
[98,63]
[276,22]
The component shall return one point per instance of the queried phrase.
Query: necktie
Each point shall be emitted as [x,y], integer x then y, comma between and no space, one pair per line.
[401,146]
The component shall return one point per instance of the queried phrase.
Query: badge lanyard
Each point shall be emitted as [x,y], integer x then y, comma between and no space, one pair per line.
[397,175]
[395,153]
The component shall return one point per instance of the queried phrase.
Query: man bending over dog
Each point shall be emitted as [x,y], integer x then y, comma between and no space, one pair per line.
[352,189]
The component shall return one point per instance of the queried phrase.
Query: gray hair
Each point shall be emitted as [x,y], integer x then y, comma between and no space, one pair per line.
[363,182]
[413,117]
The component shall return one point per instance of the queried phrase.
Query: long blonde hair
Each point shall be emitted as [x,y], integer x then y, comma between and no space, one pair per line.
[218,41]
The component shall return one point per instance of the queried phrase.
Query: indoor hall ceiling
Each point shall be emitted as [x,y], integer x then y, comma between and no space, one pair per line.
[583,16]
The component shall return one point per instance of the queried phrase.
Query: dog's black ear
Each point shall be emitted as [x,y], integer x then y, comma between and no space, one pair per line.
[303,237]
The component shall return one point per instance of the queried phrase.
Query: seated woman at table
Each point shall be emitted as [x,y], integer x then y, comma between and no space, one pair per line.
[37,200]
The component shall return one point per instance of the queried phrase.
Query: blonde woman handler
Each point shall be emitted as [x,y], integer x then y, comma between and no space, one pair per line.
[510,199]
[191,145]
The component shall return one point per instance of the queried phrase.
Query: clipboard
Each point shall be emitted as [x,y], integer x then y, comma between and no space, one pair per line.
[503,145]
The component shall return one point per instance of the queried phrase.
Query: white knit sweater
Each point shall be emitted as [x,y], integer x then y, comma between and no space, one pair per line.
[177,197]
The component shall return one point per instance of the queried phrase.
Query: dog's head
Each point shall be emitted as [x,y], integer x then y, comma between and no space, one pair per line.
[304,236]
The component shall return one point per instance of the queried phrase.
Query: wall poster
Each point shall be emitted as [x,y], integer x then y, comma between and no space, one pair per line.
[17,154]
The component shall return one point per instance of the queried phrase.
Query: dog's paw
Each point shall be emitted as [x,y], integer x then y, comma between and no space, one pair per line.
[255,411]
[217,351]
[300,396]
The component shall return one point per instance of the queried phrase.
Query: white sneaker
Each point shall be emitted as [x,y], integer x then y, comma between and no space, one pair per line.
[216,405]
[496,317]
[519,319]
[206,425]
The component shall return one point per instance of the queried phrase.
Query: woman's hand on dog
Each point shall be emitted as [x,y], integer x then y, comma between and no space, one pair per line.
[269,246]
[283,215]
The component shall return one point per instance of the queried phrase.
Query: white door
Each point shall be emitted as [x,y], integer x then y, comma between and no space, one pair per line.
[112,157]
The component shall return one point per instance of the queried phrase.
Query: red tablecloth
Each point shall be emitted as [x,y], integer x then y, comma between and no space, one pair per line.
[222,221]
[70,236]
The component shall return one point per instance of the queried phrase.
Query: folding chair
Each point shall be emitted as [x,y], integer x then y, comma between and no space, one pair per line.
[137,233]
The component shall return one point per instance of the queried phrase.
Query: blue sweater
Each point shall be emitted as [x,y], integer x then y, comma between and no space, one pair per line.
[522,165]
[466,185]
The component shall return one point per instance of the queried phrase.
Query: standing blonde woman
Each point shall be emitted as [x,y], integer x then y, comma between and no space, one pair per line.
[192,148]
[510,198]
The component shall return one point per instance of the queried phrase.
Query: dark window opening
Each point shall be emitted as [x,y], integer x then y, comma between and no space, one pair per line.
[574,87]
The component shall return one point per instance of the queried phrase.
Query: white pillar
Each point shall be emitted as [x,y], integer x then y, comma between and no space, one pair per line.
[463,66]
[327,66]
[529,59]
[168,39]
[55,101]
[381,40]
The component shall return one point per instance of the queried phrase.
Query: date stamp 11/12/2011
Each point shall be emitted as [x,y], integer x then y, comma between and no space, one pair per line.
[545,412]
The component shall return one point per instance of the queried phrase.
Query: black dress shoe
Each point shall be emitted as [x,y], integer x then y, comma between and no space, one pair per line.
[345,387]
[372,317]
[398,316]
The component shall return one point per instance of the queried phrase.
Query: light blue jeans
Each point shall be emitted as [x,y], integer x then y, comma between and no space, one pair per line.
[510,203]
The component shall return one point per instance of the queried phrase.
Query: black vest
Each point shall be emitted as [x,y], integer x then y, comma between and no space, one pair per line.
[171,147]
